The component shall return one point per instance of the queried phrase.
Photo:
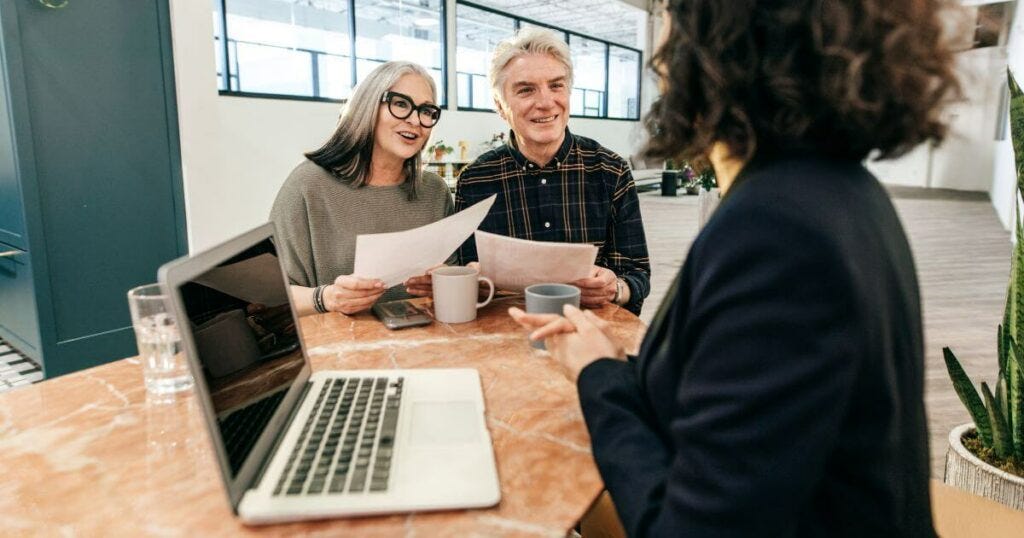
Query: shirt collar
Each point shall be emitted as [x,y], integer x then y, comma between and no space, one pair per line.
[522,162]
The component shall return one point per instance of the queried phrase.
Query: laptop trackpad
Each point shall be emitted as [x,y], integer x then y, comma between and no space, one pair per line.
[445,423]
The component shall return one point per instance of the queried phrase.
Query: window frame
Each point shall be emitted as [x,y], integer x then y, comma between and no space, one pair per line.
[228,75]
[518,20]
[223,47]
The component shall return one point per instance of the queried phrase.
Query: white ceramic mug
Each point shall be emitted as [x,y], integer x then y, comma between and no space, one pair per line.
[455,292]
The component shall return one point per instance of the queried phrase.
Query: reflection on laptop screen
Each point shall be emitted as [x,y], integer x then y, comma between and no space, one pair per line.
[246,341]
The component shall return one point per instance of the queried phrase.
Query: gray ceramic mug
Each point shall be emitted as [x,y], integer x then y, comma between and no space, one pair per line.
[549,299]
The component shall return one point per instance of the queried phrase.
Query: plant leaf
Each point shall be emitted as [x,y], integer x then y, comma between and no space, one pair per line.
[1002,401]
[1002,343]
[1016,298]
[1017,354]
[1013,380]
[1017,126]
[1016,397]
[969,396]
[1001,442]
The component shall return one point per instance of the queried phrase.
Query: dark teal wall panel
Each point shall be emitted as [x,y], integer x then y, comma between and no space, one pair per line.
[18,322]
[99,122]
[12,216]
[73,355]
[96,147]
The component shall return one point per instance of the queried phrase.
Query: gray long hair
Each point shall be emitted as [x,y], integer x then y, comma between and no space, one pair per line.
[348,152]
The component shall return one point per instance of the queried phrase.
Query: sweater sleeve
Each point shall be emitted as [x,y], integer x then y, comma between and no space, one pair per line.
[291,219]
[766,363]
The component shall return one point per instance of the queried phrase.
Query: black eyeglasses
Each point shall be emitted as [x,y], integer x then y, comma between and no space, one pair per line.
[401,106]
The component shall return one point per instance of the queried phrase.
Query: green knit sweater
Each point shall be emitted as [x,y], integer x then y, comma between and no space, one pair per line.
[318,218]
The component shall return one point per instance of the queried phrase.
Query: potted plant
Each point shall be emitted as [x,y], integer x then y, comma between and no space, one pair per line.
[496,141]
[669,178]
[987,457]
[691,180]
[439,150]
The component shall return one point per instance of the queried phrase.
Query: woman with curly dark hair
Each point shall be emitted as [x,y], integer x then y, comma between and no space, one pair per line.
[779,390]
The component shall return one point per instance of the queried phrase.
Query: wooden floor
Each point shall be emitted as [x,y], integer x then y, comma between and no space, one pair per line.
[963,258]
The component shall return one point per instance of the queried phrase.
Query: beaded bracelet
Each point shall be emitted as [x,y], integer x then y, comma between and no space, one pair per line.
[318,299]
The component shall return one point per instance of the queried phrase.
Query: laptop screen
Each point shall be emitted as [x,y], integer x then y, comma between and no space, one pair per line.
[246,342]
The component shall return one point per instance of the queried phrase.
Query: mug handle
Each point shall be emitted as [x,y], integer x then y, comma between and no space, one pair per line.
[490,295]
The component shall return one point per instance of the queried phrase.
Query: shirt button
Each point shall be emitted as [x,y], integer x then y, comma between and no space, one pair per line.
[547,224]
[543,182]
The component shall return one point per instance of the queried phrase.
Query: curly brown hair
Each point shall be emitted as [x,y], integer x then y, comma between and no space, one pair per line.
[839,77]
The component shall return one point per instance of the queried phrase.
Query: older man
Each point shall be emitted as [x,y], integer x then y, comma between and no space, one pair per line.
[553,185]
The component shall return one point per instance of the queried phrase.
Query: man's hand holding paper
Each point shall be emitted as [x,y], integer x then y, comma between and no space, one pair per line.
[598,288]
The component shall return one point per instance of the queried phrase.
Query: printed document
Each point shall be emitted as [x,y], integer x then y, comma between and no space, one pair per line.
[396,256]
[514,264]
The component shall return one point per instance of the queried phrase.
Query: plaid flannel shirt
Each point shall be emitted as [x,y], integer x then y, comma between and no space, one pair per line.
[585,194]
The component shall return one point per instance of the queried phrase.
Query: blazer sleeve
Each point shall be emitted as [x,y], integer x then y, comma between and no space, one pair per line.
[767,355]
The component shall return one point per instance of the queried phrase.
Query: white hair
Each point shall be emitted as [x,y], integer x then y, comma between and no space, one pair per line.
[529,40]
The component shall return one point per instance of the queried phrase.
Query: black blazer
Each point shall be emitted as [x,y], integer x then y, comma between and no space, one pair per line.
[779,389]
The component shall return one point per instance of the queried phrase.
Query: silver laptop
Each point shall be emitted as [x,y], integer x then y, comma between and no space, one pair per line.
[293,444]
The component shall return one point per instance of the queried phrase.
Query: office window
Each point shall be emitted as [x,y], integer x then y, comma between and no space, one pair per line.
[606,75]
[528,24]
[305,49]
[477,33]
[590,75]
[623,83]
[399,30]
[620,22]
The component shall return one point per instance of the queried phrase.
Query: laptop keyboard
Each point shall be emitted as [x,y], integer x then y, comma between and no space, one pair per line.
[347,443]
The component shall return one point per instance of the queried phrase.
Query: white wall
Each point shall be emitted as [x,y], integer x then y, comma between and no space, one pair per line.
[236,152]
[965,160]
[1004,179]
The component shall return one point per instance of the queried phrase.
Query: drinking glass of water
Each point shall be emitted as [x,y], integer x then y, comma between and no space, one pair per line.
[163,363]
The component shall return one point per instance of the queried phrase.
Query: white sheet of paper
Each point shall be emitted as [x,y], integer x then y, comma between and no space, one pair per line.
[514,264]
[396,256]
[256,280]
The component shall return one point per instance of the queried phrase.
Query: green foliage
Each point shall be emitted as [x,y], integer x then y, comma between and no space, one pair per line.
[965,390]
[999,417]
[707,179]
[439,146]
[703,176]
[1017,126]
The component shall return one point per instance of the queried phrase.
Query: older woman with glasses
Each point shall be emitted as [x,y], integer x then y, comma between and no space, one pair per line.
[366,179]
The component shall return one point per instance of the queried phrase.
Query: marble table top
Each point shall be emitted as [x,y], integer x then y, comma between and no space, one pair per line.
[87,454]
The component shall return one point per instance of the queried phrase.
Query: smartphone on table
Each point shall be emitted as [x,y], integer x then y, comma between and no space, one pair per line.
[401,314]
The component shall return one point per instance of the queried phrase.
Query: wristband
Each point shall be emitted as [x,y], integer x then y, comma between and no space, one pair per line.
[318,299]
